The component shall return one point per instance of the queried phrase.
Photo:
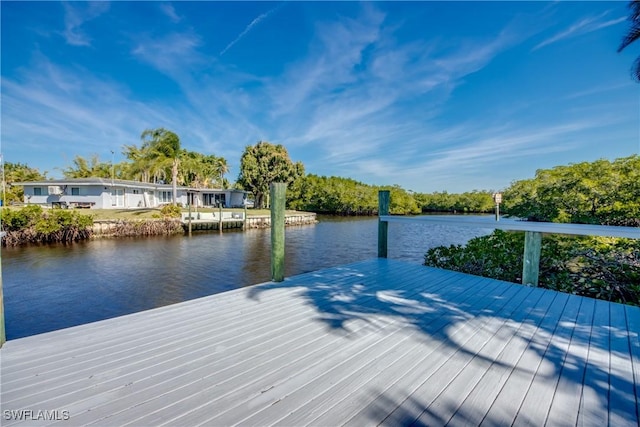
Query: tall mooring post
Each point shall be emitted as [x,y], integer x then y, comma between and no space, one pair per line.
[278,200]
[497,198]
[384,197]
[531,258]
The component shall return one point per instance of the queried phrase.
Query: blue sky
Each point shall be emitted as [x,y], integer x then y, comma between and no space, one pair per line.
[429,95]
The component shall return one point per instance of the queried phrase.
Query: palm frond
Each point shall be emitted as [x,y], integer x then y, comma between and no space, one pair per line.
[635,69]
[634,5]
[632,36]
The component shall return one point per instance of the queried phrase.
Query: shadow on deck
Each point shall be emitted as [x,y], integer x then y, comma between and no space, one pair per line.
[498,353]
[375,342]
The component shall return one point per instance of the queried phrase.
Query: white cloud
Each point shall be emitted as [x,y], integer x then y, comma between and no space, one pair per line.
[330,64]
[170,12]
[179,53]
[584,26]
[67,111]
[350,98]
[250,27]
[484,153]
[598,90]
[363,104]
[75,15]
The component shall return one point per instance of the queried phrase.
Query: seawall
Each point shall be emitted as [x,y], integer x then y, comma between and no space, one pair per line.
[264,221]
[151,227]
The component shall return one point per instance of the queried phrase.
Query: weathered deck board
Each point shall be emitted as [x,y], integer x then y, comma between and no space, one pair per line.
[506,404]
[375,342]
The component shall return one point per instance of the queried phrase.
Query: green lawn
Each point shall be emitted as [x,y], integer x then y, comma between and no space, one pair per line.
[148,213]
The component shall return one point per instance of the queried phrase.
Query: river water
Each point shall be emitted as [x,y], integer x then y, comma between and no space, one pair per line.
[57,286]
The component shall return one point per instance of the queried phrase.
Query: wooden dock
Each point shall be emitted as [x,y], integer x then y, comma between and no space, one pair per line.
[375,342]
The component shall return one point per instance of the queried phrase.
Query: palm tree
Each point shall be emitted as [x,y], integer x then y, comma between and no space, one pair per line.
[191,168]
[202,170]
[222,168]
[163,148]
[83,168]
[633,35]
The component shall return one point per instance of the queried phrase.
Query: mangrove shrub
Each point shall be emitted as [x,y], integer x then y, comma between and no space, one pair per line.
[345,196]
[597,267]
[32,224]
[601,192]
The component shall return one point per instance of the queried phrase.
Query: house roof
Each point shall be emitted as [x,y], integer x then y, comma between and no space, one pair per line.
[107,182]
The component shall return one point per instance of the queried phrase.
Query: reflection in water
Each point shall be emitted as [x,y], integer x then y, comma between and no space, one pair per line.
[56,286]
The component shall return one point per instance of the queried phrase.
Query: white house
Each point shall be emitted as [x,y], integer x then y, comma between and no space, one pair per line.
[214,197]
[104,193]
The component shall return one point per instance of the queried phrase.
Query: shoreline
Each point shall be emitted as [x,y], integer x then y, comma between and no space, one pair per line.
[167,226]
[141,227]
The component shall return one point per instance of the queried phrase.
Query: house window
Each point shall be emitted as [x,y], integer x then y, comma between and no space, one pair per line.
[165,196]
[136,191]
[75,191]
[37,191]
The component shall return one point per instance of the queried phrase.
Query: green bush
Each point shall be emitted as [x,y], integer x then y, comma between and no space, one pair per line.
[32,224]
[603,268]
[19,219]
[171,211]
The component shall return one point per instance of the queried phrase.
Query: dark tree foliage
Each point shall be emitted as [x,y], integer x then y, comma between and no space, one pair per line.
[18,172]
[32,224]
[600,192]
[345,196]
[603,268]
[633,35]
[264,163]
[475,201]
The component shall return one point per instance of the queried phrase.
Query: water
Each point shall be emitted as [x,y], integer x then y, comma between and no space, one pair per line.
[58,286]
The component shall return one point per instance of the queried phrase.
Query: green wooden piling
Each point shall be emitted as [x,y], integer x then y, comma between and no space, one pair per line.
[277,199]
[383,226]
[531,259]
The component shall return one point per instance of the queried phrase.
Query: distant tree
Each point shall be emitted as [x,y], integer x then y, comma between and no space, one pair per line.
[160,156]
[345,196]
[88,168]
[600,192]
[474,201]
[161,148]
[221,168]
[18,172]
[402,202]
[264,163]
[633,35]
[202,171]
[142,166]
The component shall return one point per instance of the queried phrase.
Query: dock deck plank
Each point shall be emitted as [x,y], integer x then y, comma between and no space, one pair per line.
[374,342]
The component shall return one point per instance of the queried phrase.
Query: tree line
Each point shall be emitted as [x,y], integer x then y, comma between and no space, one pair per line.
[600,192]
[159,158]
